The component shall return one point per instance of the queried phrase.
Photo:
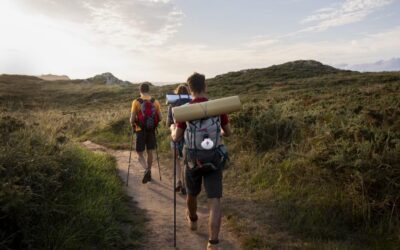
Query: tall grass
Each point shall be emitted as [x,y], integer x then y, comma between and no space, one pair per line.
[318,147]
[332,165]
[59,196]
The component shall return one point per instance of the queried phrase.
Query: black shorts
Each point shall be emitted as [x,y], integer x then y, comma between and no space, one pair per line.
[145,140]
[212,183]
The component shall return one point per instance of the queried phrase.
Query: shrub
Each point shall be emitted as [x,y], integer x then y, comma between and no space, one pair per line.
[116,134]
[265,128]
[56,196]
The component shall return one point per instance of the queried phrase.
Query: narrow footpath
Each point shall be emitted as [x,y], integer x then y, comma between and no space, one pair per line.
[156,197]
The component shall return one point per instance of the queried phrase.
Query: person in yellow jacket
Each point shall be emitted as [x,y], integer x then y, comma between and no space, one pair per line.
[145,116]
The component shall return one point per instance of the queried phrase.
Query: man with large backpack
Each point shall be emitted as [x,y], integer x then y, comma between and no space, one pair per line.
[145,116]
[203,158]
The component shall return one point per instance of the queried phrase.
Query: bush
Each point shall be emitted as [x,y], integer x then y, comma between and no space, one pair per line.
[265,128]
[116,134]
[56,196]
[326,152]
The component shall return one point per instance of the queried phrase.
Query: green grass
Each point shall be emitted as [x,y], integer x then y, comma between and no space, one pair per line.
[115,135]
[60,196]
[330,157]
[316,147]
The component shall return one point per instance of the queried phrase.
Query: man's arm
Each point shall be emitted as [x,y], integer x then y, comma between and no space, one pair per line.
[169,121]
[133,119]
[176,133]
[226,130]
[159,115]
[158,110]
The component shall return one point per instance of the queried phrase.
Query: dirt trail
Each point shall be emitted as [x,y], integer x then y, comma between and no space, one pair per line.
[156,197]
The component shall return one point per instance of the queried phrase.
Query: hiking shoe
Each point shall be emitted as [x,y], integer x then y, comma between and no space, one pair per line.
[212,246]
[192,224]
[146,177]
[183,191]
[178,187]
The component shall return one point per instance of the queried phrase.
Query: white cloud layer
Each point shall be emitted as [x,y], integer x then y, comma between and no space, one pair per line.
[214,61]
[122,23]
[350,11]
[129,38]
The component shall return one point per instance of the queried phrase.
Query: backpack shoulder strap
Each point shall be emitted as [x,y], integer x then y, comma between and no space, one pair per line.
[141,101]
[194,123]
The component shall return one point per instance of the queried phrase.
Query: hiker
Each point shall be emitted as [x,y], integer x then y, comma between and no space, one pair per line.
[178,146]
[197,166]
[145,116]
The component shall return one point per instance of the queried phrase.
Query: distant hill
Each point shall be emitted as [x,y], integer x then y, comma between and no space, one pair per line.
[276,74]
[50,77]
[296,69]
[17,79]
[382,65]
[106,78]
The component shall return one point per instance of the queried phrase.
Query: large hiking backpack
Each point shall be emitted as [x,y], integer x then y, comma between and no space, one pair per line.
[147,116]
[182,100]
[202,138]
[179,102]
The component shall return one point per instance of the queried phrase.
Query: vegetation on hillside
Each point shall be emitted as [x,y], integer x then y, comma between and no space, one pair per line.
[55,194]
[331,160]
[323,148]
[316,146]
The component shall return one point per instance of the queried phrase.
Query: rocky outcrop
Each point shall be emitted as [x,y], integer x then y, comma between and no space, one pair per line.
[106,78]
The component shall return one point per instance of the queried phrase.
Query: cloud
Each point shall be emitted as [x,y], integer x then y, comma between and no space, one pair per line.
[213,61]
[131,24]
[350,11]
[71,37]
[262,41]
[392,64]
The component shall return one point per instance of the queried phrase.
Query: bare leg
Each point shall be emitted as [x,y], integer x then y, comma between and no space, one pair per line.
[214,219]
[191,202]
[149,159]
[179,172]
[141,159]
[183,175]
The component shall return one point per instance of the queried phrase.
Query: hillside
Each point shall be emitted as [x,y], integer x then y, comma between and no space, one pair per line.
[295,69]
[50,77]
[296,73]
[106,78]
[291,70]
[315,155]
[55,194]
[315,145]
[257,79]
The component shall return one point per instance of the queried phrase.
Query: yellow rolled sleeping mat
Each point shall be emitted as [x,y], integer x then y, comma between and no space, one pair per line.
[210,108]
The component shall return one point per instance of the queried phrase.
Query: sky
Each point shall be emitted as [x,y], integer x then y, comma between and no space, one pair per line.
[167,40]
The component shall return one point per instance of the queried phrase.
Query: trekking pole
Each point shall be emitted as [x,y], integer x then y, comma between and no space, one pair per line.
[158,160]
[174,194]
[129,162]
